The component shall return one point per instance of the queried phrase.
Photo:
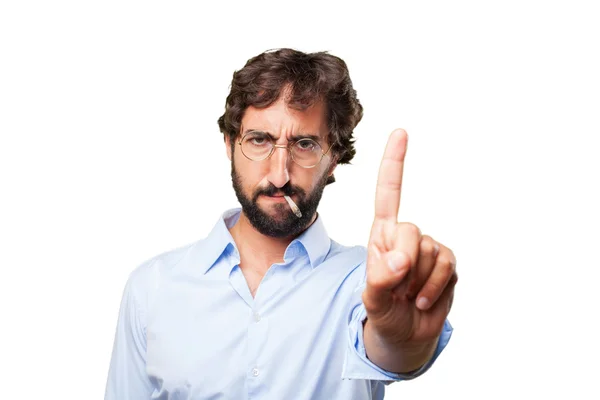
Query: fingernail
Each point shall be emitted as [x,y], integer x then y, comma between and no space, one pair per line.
[397,261]
[436,249]
[423,303]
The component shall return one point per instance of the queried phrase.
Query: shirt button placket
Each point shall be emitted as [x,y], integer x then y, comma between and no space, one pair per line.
[258,327]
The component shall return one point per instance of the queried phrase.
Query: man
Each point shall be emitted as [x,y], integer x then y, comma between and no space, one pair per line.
[267,306]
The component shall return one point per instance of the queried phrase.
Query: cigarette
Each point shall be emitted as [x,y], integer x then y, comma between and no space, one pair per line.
[293,206]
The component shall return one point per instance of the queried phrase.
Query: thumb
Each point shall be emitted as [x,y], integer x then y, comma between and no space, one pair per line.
[384,273]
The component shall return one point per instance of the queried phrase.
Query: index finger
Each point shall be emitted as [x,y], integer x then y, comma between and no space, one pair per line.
[389,181]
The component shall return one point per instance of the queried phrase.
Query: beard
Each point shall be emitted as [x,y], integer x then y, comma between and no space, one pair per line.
[284,223]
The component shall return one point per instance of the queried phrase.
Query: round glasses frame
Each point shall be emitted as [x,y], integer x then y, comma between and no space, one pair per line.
[288,147]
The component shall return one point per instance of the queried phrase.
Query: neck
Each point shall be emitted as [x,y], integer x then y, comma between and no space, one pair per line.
[258,250]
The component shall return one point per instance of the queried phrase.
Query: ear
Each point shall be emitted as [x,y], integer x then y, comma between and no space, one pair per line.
[332,166]
[228,146]
[330,170]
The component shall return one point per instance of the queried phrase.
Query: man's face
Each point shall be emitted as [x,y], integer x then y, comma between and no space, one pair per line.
[261,185]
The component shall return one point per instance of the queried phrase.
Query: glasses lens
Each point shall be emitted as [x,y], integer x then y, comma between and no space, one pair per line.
[307,152]
[256,146]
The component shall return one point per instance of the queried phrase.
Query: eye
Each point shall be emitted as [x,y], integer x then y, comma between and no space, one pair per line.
[257,140]
[306,145]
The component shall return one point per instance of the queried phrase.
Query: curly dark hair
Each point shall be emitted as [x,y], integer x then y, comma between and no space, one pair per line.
[306,79]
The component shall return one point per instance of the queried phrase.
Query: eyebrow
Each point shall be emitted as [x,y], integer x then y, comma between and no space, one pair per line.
[296,137]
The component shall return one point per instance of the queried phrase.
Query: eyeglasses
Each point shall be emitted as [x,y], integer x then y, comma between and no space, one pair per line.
[258,146]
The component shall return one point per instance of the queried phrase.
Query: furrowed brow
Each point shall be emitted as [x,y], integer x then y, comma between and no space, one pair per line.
[317,138]
[259,132]
[301,136]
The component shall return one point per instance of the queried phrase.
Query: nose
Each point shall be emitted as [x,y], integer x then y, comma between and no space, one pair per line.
[278,172]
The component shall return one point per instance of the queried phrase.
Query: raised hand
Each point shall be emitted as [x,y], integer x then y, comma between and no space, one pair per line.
[410,277]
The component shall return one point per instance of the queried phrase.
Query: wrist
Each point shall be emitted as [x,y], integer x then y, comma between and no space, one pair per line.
[397,356]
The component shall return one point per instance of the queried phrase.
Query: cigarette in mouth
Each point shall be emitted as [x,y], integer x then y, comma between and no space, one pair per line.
[293,206]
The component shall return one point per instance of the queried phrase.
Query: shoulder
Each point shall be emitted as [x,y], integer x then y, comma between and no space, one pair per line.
[358,253]
[353,258]
[148,276]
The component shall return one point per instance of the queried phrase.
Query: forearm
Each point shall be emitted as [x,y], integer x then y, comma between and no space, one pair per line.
[398,358]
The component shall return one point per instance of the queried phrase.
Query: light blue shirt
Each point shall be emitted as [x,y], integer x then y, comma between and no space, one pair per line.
[189,328]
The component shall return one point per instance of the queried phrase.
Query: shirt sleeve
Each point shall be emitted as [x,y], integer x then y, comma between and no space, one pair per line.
[127,378]
[358,366]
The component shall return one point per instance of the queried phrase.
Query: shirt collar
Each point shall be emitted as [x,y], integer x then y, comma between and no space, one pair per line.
[219,239]
[314,240]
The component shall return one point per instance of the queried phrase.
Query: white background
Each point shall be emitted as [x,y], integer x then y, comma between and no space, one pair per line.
[110,154]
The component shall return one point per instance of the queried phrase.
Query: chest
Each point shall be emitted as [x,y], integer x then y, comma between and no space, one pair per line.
[209,338]
[252,278]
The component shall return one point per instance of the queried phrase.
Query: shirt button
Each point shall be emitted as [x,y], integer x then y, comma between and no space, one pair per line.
[256,317]
[255,372]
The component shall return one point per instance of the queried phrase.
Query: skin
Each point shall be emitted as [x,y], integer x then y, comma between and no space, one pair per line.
[410,276]
[258,251]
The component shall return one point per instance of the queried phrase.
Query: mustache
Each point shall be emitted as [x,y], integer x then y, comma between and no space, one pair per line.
[286,189]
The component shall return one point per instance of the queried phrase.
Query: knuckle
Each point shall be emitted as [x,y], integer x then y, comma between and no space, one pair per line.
[451,256]
[454,279]
[427,244]
[427,238]
[443,259]
[412,229]
[446,265]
